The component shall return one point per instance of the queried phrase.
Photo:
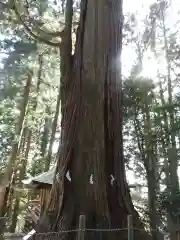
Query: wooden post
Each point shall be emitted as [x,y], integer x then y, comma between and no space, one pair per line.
[82,227]
[130,227]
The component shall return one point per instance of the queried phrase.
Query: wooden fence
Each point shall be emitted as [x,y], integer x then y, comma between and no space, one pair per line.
[81,231]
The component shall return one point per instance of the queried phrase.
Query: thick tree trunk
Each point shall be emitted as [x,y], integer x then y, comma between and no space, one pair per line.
[92,133]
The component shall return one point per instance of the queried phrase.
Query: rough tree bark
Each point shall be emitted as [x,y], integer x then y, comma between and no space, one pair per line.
[92,132]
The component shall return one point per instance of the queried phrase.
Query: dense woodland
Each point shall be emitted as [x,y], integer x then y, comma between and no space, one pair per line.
[74,91]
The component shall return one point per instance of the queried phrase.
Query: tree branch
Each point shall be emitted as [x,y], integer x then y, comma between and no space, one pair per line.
[53,34]
[28,30]
[57,33]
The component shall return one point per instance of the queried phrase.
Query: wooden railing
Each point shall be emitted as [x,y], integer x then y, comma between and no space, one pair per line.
[34,210]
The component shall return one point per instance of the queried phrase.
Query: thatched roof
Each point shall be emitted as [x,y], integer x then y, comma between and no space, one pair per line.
[47,179]
[43,178]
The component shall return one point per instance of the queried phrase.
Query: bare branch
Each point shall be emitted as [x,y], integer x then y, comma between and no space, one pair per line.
[54,44]
[57,33]
[53,34]
[46,31]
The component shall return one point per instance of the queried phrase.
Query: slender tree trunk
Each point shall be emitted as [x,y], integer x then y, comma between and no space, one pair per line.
[150,166]
[172,148]
[25,150]
[53,131]
[169,142]
[12,227]
[14,151]
[146,147]
[19,126]
[12,194]
[45,134]
[19,183]
[173,171]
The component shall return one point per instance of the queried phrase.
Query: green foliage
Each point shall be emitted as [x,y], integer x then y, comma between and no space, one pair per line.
[37,166]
